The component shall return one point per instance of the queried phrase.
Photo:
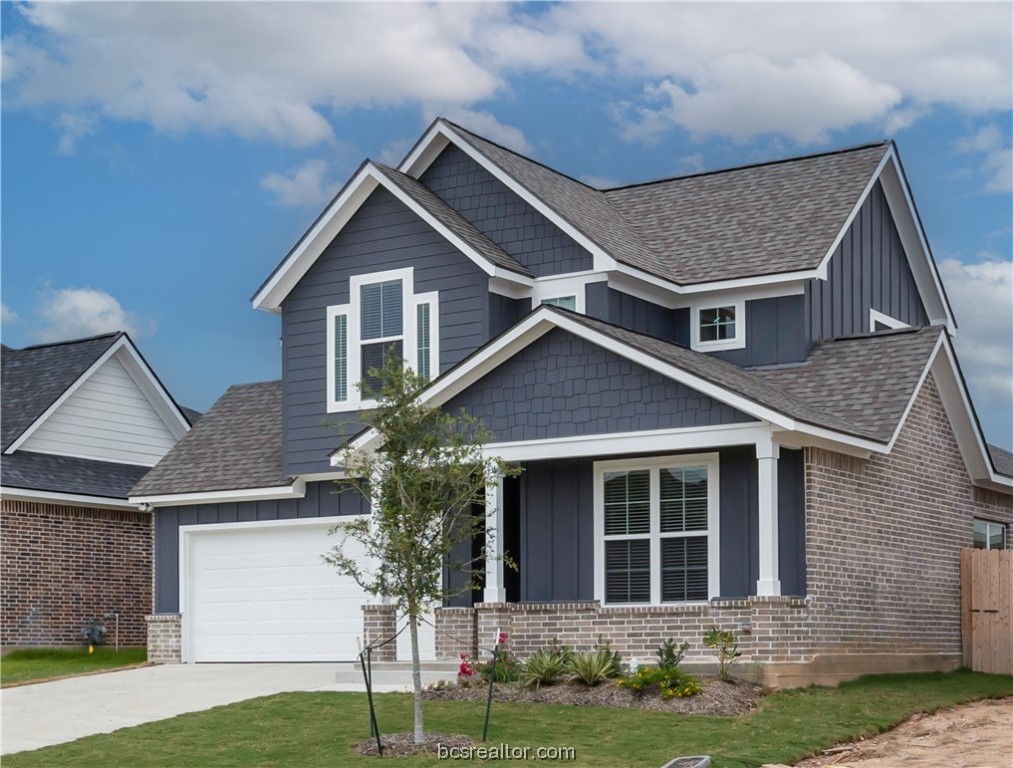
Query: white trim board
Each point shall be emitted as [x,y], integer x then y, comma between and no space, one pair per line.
[295,491]
[367,179]
[128,356]
[75,499]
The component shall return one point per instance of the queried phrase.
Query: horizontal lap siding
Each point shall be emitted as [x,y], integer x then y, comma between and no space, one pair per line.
[502,216]
[869,270]
[562,385]
[382,235]
[321,500]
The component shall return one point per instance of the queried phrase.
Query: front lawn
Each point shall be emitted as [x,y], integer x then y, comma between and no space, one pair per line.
[319,729]
[37,664]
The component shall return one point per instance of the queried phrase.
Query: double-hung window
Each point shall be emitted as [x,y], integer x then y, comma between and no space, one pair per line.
[384,315]
[656,525]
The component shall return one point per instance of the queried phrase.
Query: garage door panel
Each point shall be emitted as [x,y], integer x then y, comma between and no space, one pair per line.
[264,594]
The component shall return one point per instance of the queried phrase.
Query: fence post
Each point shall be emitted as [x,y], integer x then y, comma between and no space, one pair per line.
[965,605]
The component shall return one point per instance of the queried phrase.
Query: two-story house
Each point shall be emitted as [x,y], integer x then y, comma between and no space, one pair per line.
[734,396]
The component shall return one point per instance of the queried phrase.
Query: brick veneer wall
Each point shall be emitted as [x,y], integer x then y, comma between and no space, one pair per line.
[379,623]
[883,539]
[61,566]
[164,638]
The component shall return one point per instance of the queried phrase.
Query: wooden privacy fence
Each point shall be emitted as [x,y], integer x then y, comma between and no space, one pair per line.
[986,609]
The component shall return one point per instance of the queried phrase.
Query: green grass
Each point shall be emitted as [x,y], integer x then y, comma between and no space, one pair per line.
[319,729]
[34,664]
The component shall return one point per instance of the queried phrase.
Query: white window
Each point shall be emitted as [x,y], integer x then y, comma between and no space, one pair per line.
[656,530]
[989,535]
[881,322]
[383,313]
[718,326]
[566,302]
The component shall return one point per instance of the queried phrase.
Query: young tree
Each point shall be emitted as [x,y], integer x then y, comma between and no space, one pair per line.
[425,481]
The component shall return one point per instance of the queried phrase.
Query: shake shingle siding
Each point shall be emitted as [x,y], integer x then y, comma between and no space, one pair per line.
[867,271]
[382,235]
[504,217]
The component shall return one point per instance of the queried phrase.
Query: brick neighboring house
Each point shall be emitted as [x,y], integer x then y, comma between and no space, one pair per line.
[83,421]
[734,395]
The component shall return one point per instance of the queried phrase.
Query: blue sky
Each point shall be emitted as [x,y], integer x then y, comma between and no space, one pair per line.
[158,160]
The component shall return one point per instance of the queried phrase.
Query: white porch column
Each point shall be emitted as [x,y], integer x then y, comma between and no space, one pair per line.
[766,458]
[495,591]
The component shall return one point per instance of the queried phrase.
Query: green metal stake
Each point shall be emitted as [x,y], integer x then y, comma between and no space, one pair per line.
[367,676]
[492,679]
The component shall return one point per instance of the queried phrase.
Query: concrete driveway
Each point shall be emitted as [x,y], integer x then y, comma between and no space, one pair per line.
[43,714]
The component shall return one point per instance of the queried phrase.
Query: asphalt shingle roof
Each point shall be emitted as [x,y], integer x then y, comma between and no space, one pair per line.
[1002,460]
[235,445]
[453,221]
[756,220]
[68,474]
[33,378]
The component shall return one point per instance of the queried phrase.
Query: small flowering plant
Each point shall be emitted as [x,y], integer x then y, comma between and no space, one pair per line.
[671,683]
[466,670]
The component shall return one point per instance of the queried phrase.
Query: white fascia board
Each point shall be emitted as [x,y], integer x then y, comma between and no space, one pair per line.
[312,244]
[75,499]
[152,388]
[419,160]
[916,245]
[957,403]
[295,491]
[657,290]
[825,261]
[625,443]
[113,349]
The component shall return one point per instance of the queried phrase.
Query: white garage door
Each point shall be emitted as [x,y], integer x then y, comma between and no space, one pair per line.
[263,594]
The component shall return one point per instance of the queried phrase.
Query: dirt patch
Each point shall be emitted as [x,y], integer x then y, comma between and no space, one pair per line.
[977,735]
[727,699]
[403,744]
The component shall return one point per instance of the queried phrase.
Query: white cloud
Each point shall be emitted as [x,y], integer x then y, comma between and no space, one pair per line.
[69,313]
[305,185]
[981,297]
[997,156]
[73,127]
[8,315]
[600,182]
[282,71]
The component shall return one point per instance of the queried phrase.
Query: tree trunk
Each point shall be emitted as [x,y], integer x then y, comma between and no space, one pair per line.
[413,624]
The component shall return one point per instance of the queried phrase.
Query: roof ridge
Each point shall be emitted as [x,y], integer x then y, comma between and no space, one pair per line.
[522,156]
[747,166]
[110,335]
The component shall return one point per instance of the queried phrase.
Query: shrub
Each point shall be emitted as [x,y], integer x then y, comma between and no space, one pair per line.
[615,668]
[670,682]
[506,670]
[593,667]
[724,644]
[547,665]
[671,655]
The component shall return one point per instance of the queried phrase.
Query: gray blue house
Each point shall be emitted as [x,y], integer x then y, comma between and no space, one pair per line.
[734,395]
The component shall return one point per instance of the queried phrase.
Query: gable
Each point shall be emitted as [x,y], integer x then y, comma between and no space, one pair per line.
[562,385]
[868,270]
[107,417]
[503,216]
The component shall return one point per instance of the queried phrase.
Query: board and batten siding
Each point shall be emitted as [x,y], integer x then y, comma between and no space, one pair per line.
[869,270]
[107,418]
[383,234]
[562,385]
[502,216]
[321,500]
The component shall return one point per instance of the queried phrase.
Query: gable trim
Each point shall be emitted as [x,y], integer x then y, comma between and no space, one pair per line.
[441,133]
[543,320]
[296,490]
[334,218]
[145,379]
[72,499]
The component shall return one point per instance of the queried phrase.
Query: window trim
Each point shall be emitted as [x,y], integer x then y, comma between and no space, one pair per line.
[890,323]
[353,334]
[988,525]
[736,342]
[546,299]
[655,463]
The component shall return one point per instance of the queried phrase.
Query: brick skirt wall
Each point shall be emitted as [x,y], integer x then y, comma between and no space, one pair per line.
[61,566]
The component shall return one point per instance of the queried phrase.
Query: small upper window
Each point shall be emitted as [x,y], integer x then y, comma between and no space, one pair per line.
[720,326]
[989,535]
[566,302]
[384,314]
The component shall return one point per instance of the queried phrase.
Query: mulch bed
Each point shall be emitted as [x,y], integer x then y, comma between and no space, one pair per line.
[718,697]
[403,744]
